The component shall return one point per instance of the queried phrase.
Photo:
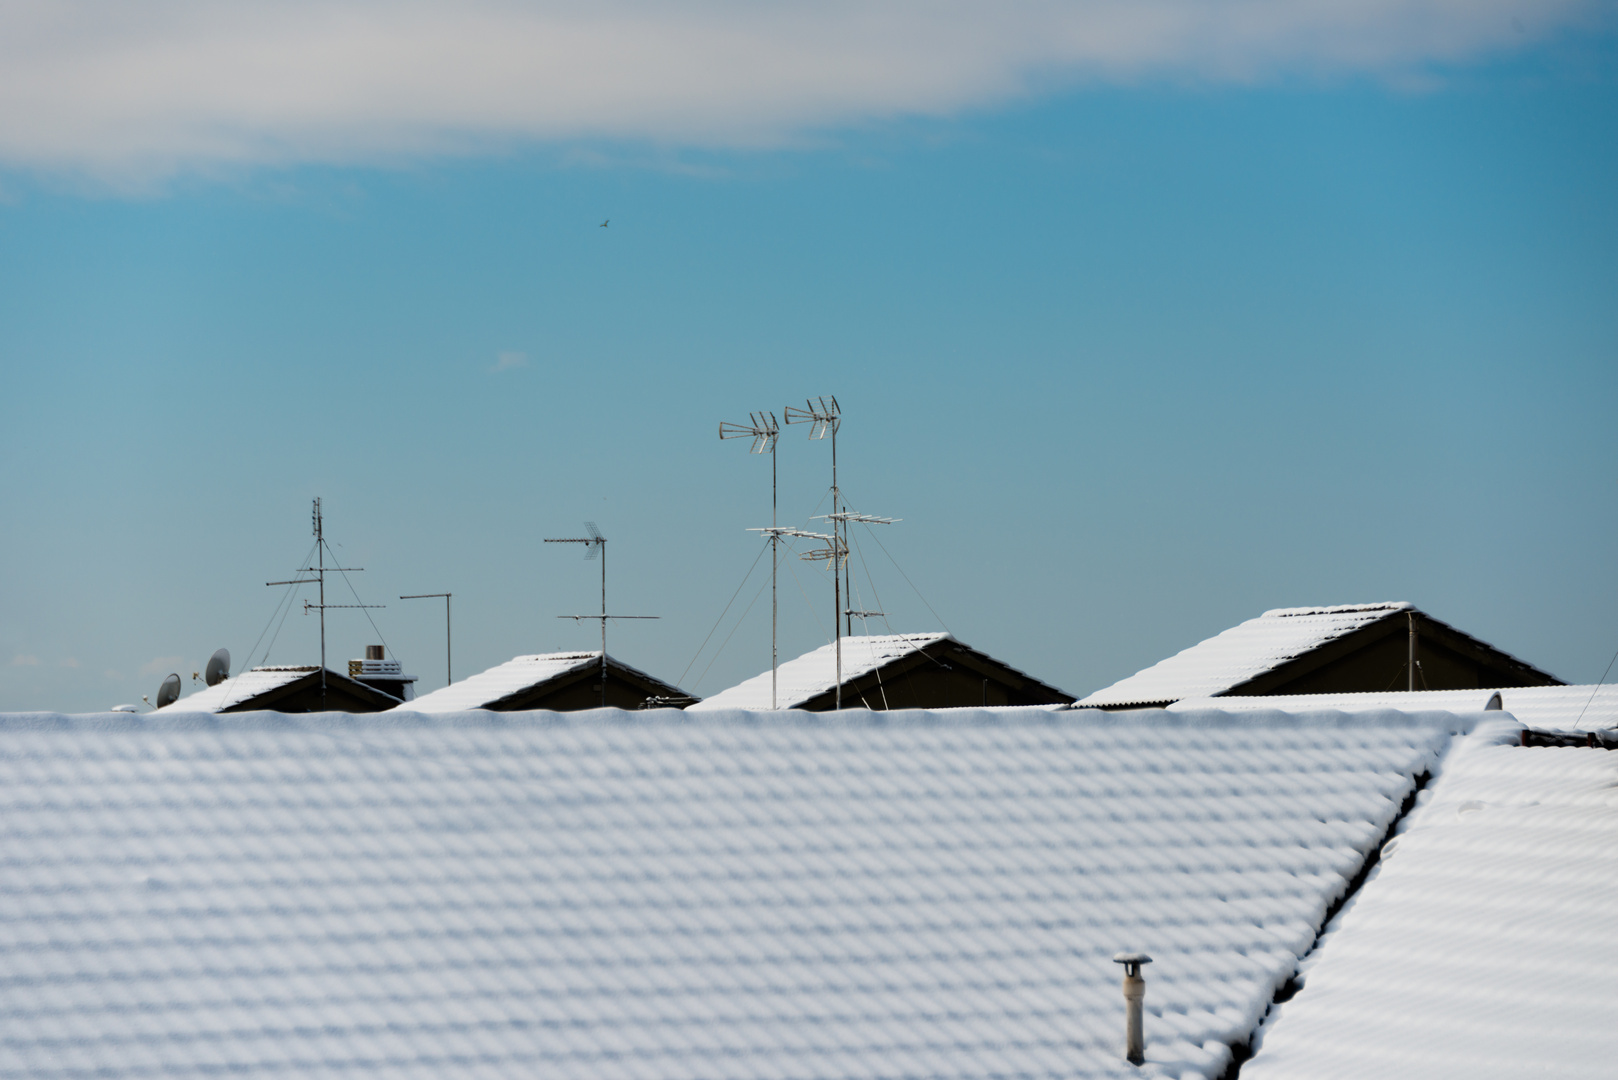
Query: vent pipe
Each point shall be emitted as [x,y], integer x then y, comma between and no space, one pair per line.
[1134,996]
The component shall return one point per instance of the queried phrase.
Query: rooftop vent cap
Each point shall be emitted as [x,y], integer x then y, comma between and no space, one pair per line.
[1495,703]
[374,652]
[1134,995]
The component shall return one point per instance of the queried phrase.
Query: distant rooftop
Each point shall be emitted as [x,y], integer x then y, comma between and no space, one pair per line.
[814,673]
[507,684]
[239,688]
[1254,656]
[1551,708]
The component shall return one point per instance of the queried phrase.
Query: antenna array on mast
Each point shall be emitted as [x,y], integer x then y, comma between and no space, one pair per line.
[596,544]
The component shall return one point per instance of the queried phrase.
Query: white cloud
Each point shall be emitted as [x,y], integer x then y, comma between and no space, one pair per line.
[25,660]
[162,665]
[122,91]
[508,360]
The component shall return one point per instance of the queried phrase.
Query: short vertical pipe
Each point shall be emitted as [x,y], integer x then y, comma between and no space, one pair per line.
[1134,1005]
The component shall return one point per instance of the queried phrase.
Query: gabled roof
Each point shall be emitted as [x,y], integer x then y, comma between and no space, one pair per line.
[241,688]
[1484,946]
[1554,708]
[670,894]
[814,673]
[1265,654]
[518,676]
[882,671]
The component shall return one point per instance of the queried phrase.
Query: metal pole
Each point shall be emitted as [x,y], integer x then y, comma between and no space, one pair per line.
[602,544]
[449,673]
[836,578]
[320,555]
[1410,660]
[775,562]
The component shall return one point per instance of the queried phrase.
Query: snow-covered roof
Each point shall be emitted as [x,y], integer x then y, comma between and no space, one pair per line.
[1484,944]
[814,673]
[670,894]
[1239,654]
[501,681]
[1548,708]
[239,688]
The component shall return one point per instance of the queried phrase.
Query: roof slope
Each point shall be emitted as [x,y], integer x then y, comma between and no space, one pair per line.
[1235,656]
[812,674]
[239,688]
[1553,708]
[1484,945]
[501,681]
[665,893]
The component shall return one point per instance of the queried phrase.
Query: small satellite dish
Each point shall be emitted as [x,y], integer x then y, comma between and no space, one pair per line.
[218,669]
[169,692]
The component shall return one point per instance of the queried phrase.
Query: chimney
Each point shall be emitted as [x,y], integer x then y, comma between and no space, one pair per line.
[380,673]
[1134,995]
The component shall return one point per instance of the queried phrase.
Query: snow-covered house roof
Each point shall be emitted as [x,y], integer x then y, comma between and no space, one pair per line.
[668,893]
[1484,944]
[283,689]
[521,681]
[1285,645]
[1548,708]
[882,671]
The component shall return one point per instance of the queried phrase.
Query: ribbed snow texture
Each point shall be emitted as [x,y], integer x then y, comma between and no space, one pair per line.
[656,895]
[1485,944]
[1556,708]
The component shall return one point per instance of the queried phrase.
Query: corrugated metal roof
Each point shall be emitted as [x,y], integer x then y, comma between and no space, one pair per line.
[1550,708]
[612,894]
[814,673]
[1241,653]
[239,688]
[1484,945]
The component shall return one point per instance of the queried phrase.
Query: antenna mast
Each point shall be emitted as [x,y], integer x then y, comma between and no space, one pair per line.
[596,544]
[449,676]
[765,432]
[827,418]
[319,570]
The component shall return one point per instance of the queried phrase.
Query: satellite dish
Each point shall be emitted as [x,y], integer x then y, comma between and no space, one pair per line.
[169,692]
[218,669]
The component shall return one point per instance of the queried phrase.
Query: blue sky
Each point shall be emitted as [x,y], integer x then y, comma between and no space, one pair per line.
[1137,348]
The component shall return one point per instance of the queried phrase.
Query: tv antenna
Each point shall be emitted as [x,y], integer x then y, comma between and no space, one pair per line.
[595,544]
[765,433]
[320,569]
[448,677]
[826,418]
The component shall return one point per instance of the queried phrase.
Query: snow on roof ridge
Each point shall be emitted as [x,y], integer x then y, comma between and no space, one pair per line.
[1337,609]
[1240,653]
[513,676]
[814,673]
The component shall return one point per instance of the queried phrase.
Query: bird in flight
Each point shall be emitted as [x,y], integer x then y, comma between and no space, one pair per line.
[604,223]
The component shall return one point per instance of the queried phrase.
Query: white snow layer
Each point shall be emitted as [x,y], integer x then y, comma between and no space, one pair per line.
[1547,708]
[501,681]
[1484,944]
[658,894]
[815,672]
[1241,653]
[238,688]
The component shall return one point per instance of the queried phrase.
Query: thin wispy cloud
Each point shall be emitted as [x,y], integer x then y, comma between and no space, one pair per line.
[508,360]
[122,91]
[162,665]
[25,660]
